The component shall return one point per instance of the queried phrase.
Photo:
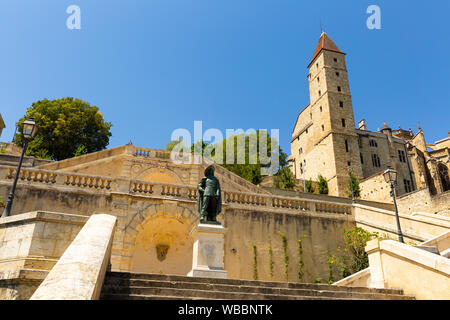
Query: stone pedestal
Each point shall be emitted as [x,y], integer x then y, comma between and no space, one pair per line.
[207,259]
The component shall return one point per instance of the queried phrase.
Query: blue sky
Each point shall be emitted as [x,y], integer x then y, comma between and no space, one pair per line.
[153,66]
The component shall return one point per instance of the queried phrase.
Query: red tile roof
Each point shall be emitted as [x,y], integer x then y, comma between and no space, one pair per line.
[325,43]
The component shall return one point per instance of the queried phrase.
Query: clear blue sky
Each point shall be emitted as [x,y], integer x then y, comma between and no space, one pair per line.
[153,66]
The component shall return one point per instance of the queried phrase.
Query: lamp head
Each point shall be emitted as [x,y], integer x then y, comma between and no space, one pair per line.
[30,129]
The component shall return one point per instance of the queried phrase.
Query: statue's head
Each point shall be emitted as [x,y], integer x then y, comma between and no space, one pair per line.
[209,171]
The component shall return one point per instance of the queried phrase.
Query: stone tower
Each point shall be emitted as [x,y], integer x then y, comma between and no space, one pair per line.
[324,139]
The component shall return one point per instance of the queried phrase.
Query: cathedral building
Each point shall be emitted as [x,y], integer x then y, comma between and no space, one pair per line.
[326,142]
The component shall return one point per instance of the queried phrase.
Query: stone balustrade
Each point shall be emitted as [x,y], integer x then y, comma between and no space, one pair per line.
[86,181]
[237,200]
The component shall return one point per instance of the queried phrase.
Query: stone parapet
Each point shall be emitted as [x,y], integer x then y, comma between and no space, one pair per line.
[418,272]
[30,245]
[79,273]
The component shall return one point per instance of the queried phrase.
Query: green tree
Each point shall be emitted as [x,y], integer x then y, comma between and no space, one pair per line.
[322,185]
[354,258]
[65,126]
[309,186]
[172,143]
[199,147]
[353,182]
[284,179]
[246,147]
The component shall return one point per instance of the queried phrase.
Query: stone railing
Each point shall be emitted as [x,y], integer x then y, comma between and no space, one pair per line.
[58,178]
[238,200]
[158,154]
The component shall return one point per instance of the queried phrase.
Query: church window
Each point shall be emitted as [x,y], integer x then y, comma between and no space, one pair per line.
[341,104]
[408,187]
[343,123]
[339,89]
[373,143]
[402,156]
[376,161]
[346,145]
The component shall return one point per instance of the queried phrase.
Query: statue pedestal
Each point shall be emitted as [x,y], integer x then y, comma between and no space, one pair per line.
[207,259]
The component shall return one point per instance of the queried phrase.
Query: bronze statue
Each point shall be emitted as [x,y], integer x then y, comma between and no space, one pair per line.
[209,202]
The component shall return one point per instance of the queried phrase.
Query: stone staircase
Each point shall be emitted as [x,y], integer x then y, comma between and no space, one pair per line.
[139,286]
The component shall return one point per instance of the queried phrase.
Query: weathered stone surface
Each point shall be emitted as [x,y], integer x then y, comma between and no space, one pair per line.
[80,271]
[207,257]
[418,272]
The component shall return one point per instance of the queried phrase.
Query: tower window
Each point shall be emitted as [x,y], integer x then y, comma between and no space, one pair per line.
[346,146]
[349,164]
[362,159]
[320,93]
[323,128]
[373,143]
[300,151]
[343,123]
[317,65]
[339,89]
[310,115]
[341,104]
[337,74]
[318,79]
[321,109]
[335,60]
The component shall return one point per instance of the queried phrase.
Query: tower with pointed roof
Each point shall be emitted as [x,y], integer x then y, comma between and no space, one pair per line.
[324,139]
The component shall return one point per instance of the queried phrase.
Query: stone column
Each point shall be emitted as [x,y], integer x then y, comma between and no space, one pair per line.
[207,259]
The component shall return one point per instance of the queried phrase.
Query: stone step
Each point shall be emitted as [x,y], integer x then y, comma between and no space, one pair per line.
[133,286]
[138,279]
[141,286]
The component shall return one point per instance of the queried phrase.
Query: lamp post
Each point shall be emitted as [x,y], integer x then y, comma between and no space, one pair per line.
[29,132]
[390,176]
[351,183]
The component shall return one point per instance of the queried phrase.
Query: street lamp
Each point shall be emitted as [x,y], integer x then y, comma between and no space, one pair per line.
[390,176]
[29,132]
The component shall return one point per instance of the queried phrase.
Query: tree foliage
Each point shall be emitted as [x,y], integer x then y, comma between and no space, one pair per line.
[353,182]
[67,127]
[354,258]
[322,185]
[309,186]
[284,179]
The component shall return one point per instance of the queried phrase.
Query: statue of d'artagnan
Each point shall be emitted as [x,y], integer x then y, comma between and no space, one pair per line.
[209,202]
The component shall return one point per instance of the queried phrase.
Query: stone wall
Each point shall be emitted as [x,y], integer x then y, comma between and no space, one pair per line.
[151,214]
[30,245]
[423,201]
